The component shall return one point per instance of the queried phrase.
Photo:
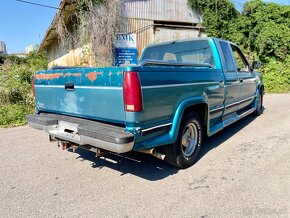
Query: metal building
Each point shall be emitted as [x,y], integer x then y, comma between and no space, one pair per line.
[161,20]
[3,48]
[152,20]
[31,48]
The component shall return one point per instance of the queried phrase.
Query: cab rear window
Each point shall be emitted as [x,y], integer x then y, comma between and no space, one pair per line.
[196,52]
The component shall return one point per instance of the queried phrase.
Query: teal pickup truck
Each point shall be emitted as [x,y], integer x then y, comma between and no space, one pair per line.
[180,92]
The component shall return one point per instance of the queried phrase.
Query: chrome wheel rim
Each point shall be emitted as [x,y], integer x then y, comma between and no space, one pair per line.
[189,139]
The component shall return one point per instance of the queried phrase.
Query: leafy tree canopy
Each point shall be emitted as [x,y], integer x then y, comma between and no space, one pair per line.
[261,29]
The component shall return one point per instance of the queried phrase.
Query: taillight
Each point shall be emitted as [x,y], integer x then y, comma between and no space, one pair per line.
[132,92]
[32,86]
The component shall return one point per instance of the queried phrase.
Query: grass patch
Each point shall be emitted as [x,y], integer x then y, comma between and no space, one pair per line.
[14,114]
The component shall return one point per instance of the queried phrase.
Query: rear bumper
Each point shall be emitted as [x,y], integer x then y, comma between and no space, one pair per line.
[83,132]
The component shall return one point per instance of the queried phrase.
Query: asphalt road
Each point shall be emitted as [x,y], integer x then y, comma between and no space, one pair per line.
[243,171]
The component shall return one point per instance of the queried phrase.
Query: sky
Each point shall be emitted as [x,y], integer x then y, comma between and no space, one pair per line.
[239,3]
[24,24]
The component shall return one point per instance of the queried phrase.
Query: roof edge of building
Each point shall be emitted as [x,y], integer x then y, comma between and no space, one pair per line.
[61,7]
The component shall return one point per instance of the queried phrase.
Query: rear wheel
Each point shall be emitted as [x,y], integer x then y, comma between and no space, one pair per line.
[184,152]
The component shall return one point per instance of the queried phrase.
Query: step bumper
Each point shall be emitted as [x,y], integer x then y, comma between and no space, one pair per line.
[83,132]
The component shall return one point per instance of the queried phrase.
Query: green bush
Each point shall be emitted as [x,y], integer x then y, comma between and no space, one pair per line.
[14,115]
[261,29]
[16,99]
[276,76]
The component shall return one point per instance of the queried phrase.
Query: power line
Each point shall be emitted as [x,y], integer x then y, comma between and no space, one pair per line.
[41,5]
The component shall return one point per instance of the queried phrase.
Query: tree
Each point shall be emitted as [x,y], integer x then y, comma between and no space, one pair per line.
[262,29]
[16,99]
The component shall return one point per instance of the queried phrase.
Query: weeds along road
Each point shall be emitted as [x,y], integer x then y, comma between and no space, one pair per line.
[243,171]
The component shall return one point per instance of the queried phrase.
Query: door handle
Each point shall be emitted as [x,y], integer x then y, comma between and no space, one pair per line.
[69,86]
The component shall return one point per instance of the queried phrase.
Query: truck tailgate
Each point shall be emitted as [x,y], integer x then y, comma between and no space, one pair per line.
[94,93]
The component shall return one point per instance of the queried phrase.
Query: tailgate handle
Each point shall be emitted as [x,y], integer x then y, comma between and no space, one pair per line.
[69,86]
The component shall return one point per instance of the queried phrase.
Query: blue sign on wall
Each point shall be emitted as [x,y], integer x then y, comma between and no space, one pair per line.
[126,56]
[126,52]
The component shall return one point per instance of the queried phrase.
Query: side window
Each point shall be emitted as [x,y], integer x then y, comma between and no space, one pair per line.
[230,65]
[241,63]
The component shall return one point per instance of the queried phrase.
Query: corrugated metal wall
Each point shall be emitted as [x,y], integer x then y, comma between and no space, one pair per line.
[139,18]
[167,34]
[141,15]
[165,10]
[147,33]
[144,30]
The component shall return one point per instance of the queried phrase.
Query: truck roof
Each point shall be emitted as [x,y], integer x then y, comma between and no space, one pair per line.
[188,40]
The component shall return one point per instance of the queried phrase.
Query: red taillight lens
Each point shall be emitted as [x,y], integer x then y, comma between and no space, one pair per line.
[32,86]
[132,92]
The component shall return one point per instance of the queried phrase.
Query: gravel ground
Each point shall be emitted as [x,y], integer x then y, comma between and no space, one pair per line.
[243,171]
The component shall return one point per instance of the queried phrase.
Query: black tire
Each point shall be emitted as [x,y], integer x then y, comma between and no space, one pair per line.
[182,156]
[259,109]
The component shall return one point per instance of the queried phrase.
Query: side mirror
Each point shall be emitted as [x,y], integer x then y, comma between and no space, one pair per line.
[256,65]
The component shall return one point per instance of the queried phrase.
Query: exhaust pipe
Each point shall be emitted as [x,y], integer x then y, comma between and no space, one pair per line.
[154,153]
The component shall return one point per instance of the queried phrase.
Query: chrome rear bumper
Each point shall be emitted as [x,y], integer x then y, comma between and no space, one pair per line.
[83,132]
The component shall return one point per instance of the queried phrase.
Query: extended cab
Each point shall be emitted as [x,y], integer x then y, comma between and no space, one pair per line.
[180,92]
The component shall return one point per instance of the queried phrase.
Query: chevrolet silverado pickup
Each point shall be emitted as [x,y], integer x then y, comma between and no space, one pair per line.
[179,92]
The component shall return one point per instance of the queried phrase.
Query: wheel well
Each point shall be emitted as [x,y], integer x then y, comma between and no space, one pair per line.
[201,110]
